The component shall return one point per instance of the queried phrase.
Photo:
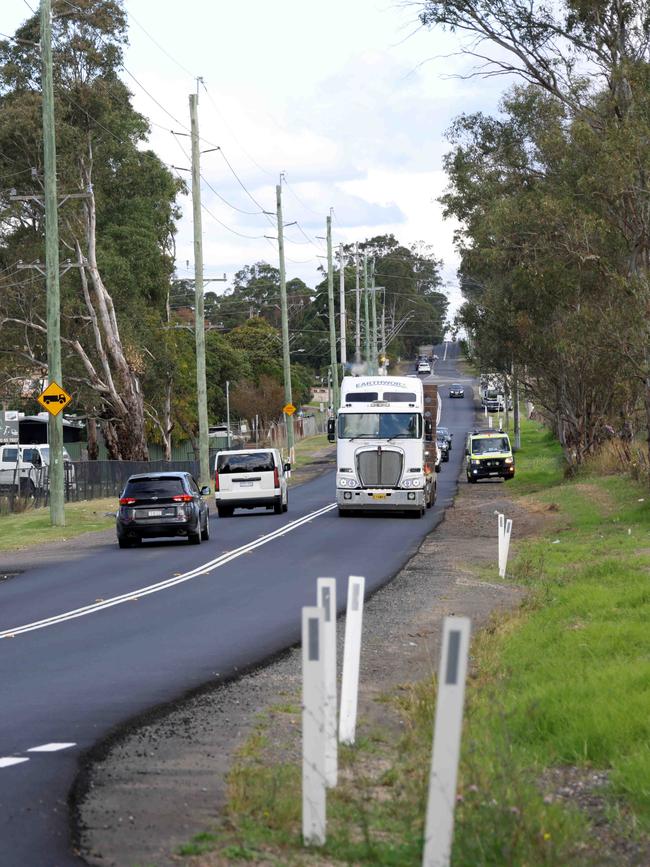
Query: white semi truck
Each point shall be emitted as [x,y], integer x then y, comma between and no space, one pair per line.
[385,437]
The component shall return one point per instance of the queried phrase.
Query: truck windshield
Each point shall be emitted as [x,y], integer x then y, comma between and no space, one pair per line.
[491,444]
[380,425]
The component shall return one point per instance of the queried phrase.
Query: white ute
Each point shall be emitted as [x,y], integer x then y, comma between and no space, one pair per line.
[385,445]
[250,479]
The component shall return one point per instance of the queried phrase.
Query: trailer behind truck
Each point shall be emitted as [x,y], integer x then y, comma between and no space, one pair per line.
[385,436]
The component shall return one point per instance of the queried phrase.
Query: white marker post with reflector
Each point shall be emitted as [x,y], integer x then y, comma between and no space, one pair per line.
[351,660]
[326,599]
[505,531]
[313,728]
[490,421]
[439,826]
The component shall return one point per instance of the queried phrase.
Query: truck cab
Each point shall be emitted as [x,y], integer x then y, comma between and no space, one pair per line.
[386,446]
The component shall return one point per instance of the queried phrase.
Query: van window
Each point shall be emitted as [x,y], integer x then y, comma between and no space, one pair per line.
[10,455]
[243,462]
[490,445]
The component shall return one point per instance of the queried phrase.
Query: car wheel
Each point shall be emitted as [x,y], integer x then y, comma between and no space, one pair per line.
[285,507]
[472,480]
[124,543]
[225,511]
[194,538]
[277,508]
[205,532]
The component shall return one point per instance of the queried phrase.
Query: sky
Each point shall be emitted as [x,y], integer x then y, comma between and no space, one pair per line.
[350,101]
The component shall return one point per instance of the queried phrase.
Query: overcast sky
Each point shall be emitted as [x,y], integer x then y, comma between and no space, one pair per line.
[350,100]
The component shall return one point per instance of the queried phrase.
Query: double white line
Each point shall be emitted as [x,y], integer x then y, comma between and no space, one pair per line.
[204,569]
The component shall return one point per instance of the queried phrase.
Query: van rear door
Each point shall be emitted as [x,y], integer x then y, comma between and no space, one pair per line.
[244,475]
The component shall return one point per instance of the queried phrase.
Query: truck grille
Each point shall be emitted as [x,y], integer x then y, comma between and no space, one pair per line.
[379,468]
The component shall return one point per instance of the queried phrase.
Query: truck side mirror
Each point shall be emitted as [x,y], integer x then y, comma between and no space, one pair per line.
[428,430]
[467,451]
[331,430]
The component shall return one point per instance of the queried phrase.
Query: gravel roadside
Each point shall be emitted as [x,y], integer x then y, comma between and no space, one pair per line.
[161,780]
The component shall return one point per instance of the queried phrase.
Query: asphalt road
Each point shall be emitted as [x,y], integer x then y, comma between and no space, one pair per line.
[88,644]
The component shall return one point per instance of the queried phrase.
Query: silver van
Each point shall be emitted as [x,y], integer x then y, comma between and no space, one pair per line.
[250,479]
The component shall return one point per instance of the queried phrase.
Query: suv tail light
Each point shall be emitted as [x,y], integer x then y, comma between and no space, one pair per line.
[276,477]
[216,482]
[127,501]
[183,498]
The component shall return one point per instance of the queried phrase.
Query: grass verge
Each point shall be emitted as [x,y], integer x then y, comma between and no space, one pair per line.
[32,527]
[562,686]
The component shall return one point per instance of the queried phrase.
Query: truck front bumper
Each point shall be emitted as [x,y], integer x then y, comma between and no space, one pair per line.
[389,499]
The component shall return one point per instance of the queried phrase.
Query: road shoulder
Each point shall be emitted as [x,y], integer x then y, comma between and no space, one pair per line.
[150,790]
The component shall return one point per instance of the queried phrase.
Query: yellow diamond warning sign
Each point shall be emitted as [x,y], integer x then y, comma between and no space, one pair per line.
[289,409]
[54,399]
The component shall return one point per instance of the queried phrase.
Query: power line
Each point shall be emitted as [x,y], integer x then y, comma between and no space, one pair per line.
[160,47]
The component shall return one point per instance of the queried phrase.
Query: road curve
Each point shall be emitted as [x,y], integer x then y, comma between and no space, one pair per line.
[88,644]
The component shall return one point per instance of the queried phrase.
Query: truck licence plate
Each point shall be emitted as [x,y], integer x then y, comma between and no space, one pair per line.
[379,496]
[246,484]
[155,513]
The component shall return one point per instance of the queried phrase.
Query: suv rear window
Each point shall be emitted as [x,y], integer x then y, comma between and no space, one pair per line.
[257,462]
[154,487]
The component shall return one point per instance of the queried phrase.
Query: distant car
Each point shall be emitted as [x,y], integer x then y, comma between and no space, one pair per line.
[249,479]
[155,505]
[443,448]
[456,390]
[444,434]
[424,367]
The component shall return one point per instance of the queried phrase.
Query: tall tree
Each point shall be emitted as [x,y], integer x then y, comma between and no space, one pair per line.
[120,236]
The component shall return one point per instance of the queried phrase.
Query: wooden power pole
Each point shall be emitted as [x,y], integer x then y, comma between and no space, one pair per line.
[199,314]
[332,317]
[286,347]
[55,435]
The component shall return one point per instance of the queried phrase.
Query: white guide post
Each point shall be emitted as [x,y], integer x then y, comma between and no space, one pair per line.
[490,421]
[485,410]
[326,599]
[504,531]
[500,423]
[313,728]
[439,826]
[351,660]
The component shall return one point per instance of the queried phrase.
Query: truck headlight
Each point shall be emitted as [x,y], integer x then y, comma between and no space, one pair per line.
[413,483]
[347,483]
[475,463]
[509,460]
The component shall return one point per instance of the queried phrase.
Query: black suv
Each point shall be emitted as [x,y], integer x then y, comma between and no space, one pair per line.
[162,504]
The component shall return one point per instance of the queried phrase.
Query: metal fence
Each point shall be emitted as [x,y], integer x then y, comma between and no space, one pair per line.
[83,480]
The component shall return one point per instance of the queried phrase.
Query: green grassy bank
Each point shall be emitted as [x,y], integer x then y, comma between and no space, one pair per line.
[561,686]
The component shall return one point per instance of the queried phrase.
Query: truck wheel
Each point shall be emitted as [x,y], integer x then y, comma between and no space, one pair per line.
[124,543]
[225,511]
[344,513]
[277,508]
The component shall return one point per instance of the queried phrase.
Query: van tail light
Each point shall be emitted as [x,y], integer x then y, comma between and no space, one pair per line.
[276,477]
[183,498]
[127,501]
[216,482]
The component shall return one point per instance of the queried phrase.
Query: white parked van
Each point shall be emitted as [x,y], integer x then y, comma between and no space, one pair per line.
[250,479]
[25,469]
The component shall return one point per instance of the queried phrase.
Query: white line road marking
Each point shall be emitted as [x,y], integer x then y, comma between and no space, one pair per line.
[50,748]
[8,761]
[169,582]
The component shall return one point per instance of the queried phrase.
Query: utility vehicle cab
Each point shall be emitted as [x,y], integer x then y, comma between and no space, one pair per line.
[488,454]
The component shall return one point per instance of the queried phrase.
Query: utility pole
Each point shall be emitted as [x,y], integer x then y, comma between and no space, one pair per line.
[332,318]
[365,311]
[357,333]
[515,407]
[286,357]
[383,326]
[342,311]
[199,315]
[373,347]
[228,413]
[55,433]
